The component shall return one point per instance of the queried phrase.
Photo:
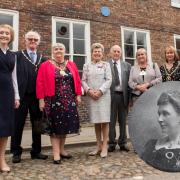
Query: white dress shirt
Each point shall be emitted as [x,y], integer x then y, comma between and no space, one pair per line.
[35,55]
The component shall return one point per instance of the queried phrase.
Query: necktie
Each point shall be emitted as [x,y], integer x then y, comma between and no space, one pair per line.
[32,56]
[117,82]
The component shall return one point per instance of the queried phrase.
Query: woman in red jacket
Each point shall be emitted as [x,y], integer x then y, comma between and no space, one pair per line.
[59,92]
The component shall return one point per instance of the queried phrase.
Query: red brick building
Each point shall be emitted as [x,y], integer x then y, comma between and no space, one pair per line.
[130,23]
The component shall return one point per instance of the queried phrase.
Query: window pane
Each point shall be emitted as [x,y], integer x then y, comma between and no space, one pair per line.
[141,39]
[138,47]
[177,43]
[79,60]
[128,37]
[62,30]
[131,61]
[65,42]
[6,19]
[178,46]
[176,1]
[79,47]
[66,57]
[129,51]
[78,31]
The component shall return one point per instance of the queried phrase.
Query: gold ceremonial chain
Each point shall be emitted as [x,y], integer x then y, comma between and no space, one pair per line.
[36,65]
[61,67]
[168,78]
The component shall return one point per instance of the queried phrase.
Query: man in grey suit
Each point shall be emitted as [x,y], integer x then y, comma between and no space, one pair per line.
[119,99]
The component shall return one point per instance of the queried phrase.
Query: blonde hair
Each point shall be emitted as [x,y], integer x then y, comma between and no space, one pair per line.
[144,50]
[7,26]
[97,46]
[176,56]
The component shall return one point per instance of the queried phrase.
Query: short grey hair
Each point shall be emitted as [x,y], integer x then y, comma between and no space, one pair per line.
[33,33]
[59,45]
[115,46]
[97,46]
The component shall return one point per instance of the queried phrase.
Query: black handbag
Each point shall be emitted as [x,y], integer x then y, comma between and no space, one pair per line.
[42,125]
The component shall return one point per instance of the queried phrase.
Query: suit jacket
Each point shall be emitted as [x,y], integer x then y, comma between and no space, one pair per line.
[27,72]
[125,71]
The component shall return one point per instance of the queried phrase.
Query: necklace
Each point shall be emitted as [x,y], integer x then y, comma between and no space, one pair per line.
[168,74]
[170,155]
[61,66]
[59,63]
[36,65]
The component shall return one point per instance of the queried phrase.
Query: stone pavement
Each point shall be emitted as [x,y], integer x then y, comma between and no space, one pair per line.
[118,165]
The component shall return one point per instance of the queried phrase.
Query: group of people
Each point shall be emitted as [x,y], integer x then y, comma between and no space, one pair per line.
[31,83]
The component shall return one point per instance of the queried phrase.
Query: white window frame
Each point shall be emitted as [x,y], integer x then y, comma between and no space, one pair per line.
[15,16]
[87,35]
[123,28]
[174,4]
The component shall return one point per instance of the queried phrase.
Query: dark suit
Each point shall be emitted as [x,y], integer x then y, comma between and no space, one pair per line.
[26,77]
[119,104]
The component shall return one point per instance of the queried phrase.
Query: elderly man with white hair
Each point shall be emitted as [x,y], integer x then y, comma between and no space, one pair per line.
[28,61]
[119,99]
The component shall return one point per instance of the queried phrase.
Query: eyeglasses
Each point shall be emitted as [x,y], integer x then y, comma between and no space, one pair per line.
[33,39]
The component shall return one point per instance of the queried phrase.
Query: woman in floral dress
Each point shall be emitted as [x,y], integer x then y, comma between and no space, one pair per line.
[59,93]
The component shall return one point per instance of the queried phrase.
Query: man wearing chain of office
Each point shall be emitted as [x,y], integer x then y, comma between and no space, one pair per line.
[28,61]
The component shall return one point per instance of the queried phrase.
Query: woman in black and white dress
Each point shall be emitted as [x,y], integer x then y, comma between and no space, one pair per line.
[170,70]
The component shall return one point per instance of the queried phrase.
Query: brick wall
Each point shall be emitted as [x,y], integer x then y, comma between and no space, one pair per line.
[158,17]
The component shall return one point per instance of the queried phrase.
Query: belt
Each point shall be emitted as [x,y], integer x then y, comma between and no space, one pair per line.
[118,92]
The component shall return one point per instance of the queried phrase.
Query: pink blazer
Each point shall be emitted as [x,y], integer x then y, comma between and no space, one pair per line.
[45,83]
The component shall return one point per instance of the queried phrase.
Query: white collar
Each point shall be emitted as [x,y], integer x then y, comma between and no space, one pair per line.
[29,51]
[4,50]
[118,61]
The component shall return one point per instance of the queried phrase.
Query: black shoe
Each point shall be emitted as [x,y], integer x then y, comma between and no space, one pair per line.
[39,156]
[124,148]
[16,158]
[68,156]
[111,149]
[57,161]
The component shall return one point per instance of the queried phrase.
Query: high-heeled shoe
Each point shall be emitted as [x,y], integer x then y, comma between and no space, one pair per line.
[94,153]
[5,170]
[67,156]
[104,154]
[57,161]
